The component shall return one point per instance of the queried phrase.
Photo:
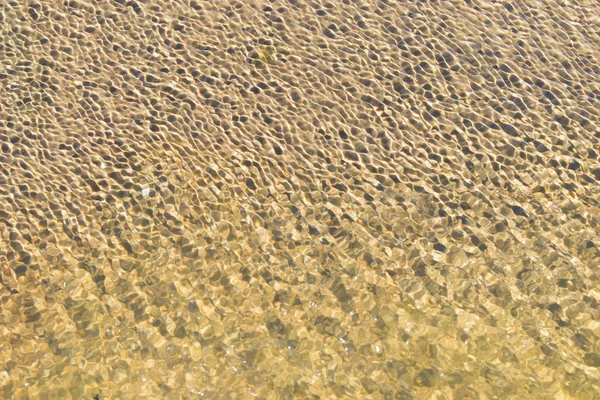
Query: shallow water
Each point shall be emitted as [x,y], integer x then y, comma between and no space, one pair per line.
[354,199]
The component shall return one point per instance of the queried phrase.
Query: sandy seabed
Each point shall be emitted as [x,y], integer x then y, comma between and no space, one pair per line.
[299,199]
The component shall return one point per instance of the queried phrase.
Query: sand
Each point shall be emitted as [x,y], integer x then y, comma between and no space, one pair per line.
[290,199]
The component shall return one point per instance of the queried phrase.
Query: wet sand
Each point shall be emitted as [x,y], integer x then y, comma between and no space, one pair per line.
[289,199]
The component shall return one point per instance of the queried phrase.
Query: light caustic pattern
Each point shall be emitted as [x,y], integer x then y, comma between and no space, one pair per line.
[294,199]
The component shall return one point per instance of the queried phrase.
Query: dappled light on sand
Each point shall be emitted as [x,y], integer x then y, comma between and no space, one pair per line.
[299,199]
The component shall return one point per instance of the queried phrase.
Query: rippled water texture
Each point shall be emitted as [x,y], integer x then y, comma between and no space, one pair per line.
[295,199]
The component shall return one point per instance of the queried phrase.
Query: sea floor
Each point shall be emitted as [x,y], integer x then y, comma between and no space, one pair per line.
[299,199]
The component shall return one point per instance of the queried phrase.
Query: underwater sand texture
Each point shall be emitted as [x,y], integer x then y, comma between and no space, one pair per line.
[295,199]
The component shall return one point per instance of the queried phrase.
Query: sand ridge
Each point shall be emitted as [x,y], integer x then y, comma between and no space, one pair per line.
[355,199]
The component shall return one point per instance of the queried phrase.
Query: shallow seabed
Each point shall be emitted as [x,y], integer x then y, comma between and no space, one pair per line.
[299,199]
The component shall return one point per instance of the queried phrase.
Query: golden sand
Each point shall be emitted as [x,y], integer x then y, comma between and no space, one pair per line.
[295,199]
